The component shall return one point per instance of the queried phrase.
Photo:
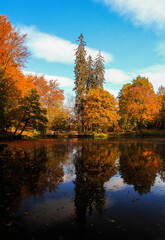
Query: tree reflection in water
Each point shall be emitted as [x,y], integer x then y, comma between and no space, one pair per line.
[139,165]
[27,174]
[34,175]
[95,164]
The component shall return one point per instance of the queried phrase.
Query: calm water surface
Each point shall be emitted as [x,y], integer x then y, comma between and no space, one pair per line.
[83,189]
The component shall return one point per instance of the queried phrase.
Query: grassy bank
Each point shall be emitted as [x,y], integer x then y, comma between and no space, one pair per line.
[138,133]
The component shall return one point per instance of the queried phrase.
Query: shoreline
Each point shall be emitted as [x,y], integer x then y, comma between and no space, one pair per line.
[133,134]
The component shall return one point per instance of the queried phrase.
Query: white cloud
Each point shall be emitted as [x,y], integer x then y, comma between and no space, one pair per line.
[112,91]
[63,81]
[141,12]
[155,74]
[117,76]
[54,49]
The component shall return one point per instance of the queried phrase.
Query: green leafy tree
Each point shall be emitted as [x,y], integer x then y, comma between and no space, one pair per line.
[31,114]
[80,71]
[99,71]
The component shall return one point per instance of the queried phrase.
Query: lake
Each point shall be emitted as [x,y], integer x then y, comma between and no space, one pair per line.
[83,189]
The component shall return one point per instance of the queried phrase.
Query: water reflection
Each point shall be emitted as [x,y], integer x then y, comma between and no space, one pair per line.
[139,166]
[72,181]
[95,164]
[26,174]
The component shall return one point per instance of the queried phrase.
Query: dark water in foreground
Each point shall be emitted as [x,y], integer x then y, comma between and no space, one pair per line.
[83,189]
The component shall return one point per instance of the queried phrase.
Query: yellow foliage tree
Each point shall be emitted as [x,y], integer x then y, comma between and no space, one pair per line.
[100,110]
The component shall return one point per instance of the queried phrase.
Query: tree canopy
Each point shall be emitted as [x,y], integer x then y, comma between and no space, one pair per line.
[100,110]
[138,103]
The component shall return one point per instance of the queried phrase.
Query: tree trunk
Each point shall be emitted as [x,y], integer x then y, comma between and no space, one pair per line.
[19,125]
[23,127]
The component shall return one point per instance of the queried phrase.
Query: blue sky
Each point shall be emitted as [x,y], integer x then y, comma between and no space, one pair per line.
[130,34]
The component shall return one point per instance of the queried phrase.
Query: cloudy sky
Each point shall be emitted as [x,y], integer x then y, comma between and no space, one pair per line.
[130,34]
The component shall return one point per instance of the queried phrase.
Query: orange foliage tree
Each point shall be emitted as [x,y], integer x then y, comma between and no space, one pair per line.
[13,52]
[51,96]
[138,103]
[13,55]
[100,110]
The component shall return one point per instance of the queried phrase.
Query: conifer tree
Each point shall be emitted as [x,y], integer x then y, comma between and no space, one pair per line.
[99,71]
[90,75]
[80,71]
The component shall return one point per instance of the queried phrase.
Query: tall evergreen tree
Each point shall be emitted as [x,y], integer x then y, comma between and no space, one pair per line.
[99,71]
[90,75]
[80,71]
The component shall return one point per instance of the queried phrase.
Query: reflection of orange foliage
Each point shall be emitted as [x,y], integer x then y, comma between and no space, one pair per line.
[100,162]
[140,167]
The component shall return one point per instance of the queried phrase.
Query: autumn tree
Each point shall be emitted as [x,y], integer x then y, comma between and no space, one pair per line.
[51,96]
[138,104]
[13,56]
[100,110]
[99,71]
[80,71]
[13,52]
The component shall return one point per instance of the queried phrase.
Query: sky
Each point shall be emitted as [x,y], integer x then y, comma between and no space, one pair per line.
[129,33]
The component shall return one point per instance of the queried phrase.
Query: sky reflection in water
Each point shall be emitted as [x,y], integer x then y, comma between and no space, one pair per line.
[83,189]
